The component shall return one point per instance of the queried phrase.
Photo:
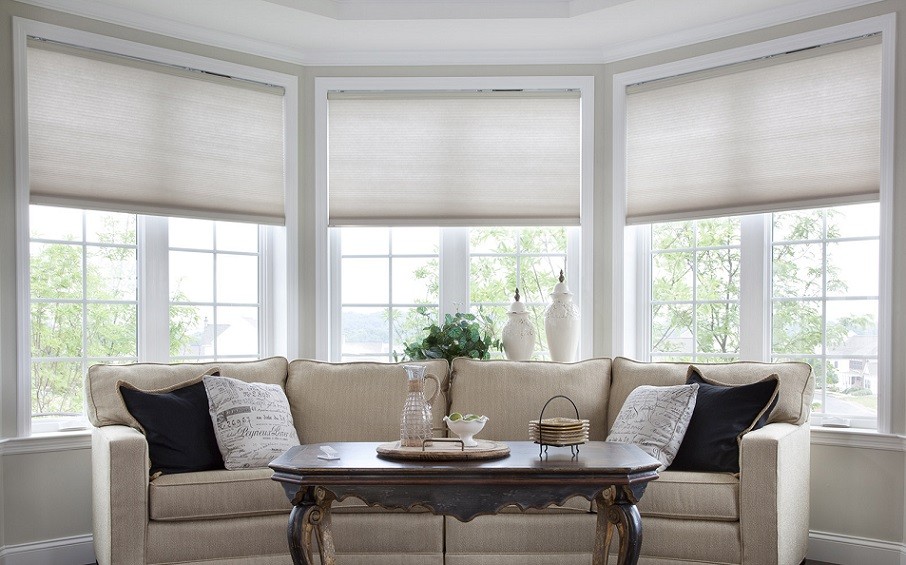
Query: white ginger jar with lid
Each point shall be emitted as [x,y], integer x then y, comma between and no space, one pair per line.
[561,323]
[518,333]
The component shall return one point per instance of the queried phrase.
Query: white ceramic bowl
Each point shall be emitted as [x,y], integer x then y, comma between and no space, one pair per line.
[465,429]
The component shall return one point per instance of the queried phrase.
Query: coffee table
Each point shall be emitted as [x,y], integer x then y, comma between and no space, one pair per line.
[613,475]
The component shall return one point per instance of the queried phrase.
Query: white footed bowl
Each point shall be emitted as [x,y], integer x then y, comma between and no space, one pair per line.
[465,429]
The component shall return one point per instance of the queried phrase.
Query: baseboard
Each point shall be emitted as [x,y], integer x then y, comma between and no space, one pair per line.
[851,550]
[75,550]
[823,546]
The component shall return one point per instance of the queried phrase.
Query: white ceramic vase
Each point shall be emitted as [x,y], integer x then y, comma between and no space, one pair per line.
[518,333]
[561,323]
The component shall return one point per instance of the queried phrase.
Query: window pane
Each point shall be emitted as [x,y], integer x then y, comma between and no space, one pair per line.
[717,326]
[365,281]
[47,222]
[415,281]
[236,236]
[672,276]
[409,326]
[543,240]
[492,279]
[859,220]
[538,277]
[718,274]
[56,330]
[191,331]
[415,241]
[111,330]
[112,273]
[191,234]
[56,270]
[110,227]
[797,327]
[366,331]
[236,331]
[799,225]
[671,328]
[672,235]
[57,388]
[237,278]
[798,270]
[191,276]
[365,241]
[852,268]
[492,240]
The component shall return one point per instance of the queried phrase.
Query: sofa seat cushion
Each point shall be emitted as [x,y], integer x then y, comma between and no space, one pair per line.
[216,494]
[689,495]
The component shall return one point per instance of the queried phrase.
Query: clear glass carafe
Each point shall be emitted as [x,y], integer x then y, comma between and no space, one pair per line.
[416,420]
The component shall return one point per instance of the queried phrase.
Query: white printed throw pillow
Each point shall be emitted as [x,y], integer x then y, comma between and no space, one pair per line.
[252,421]
[656,418]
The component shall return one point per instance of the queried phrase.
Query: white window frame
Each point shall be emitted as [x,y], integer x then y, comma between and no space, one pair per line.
[282,323]
[629,304]
[454,285]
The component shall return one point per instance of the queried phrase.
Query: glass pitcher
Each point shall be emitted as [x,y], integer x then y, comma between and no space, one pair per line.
[416,421]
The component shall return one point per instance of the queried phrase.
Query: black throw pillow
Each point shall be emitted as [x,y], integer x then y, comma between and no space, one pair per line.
[722,415]
[178,428]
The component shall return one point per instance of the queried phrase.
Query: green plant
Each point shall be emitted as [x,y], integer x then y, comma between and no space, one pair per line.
[460,335]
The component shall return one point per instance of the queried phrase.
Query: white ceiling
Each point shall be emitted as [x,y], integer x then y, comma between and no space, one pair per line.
[345,32]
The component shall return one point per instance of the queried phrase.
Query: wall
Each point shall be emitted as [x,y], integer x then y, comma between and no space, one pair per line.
[857,493]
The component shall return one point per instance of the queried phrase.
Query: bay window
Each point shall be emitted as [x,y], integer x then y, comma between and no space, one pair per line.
[755,217]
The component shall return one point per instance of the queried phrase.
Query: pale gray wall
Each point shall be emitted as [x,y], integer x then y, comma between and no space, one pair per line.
[855,492]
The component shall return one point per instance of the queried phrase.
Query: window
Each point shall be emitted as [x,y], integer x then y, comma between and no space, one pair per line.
[823,277]
[116,272]
[391,281]
[694,308]
[85,300]
[389,289]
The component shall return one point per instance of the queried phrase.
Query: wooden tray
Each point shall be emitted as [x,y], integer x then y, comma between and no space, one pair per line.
[445,451]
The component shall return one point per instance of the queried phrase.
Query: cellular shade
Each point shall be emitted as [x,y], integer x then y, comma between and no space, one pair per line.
[793,131]
[113,133]
[504,158]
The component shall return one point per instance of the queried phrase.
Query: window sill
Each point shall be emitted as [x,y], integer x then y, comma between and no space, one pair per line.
[857,438]
[46,442]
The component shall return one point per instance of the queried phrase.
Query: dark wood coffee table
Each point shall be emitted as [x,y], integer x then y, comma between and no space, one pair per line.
[613,475]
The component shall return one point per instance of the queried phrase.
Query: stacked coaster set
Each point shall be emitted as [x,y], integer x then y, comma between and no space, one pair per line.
[559,431]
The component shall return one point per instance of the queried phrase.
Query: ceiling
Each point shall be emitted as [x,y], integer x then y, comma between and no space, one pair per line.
[380,32]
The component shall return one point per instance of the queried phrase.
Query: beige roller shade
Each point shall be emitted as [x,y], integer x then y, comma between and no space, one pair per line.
[792,131]
[114,133]
[504,158]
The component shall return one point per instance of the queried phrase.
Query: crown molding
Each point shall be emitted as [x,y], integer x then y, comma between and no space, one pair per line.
[768,18]
[606,54]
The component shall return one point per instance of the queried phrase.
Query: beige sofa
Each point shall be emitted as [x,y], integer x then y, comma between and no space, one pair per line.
[758,516]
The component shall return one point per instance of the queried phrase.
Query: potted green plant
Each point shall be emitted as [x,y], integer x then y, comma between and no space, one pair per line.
[460,335]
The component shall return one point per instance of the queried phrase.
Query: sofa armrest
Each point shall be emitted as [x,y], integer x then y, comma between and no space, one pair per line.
[119,476]
[774,494]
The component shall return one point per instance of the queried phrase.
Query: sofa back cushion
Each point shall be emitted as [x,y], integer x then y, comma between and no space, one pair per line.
[354,401]
[512,393]
[794,397]
[106,407]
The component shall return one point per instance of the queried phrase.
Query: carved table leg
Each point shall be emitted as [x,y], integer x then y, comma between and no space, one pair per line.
[311,514]
[616,509]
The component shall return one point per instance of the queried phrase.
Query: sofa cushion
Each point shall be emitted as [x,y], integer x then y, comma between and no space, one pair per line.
[252,421]
[512,393]
[656,418]
[689,495]
[106,407]
[354,401]
[216,494]
[722,415]
[177,426]
[794,397]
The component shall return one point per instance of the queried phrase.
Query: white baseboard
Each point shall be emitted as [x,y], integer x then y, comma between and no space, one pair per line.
[75,550]
[823,546]
[850,550]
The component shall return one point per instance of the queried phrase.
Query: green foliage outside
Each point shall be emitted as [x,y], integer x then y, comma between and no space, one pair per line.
[75,323]
[709,330]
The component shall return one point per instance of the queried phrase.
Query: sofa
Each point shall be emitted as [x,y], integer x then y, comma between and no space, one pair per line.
[756,516]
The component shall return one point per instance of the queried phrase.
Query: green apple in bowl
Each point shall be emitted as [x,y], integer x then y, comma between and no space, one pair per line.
[466,426]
